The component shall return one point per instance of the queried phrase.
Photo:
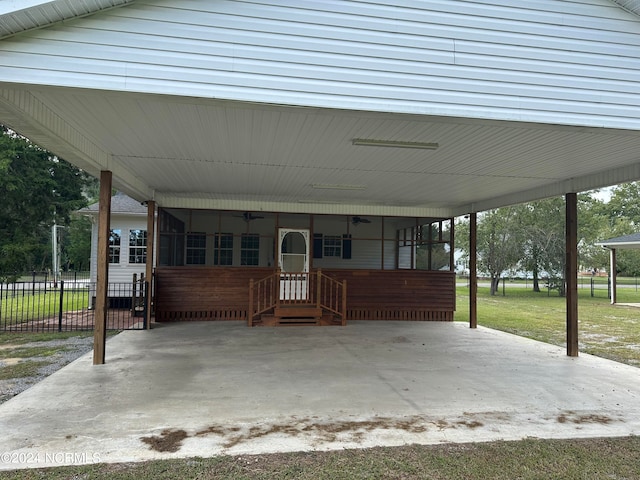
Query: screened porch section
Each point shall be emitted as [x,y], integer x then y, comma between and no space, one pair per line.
[394,268]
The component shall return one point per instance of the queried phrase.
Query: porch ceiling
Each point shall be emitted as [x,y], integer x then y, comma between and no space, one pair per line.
[217,154]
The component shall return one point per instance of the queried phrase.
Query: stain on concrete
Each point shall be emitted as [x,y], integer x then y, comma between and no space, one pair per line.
[167,441]
[579,419]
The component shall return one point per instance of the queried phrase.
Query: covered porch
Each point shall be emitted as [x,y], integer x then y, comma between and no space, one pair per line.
[280,268]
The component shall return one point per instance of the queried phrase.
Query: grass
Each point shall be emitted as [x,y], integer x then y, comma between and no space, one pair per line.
[25,305]
[605,330]
[28,337]
[23,369]
[528,459]
[609,331]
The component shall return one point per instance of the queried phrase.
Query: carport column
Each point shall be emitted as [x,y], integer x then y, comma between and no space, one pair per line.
[151,226]
[571,273]
[613,276]
[473,273]
[104,216]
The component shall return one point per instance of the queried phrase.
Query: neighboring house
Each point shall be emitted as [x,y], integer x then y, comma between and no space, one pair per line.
[127,244]
[342,136]
[625,242]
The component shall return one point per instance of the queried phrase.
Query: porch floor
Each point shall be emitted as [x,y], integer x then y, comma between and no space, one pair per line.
[206,388]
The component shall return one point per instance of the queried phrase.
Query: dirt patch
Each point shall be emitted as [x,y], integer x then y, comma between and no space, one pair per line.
[573,417]
[167,441]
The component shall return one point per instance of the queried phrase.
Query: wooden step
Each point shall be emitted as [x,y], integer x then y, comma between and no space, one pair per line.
[298,311]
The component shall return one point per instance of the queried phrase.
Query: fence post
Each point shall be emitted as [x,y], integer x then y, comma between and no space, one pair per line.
[133,293]
[33,282]
[61,304]
[592,292]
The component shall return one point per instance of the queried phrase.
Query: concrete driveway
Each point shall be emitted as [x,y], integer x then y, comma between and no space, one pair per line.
[205,388]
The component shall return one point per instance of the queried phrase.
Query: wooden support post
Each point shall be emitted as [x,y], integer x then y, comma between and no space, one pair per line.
[151,228]
[344,303]
[571,273]
[250,311]
[278,286]
[104,216]
[473,273]
[613,276]
[319,289]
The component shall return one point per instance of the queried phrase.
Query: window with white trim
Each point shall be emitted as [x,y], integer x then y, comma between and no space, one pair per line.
[250,249]
[137,246]
[114,246]
[196,248]
[223,249]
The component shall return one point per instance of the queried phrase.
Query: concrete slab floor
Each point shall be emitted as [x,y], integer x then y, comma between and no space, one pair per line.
[206,388]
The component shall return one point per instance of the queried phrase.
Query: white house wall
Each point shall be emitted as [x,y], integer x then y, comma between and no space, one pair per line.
[123,271]
[546,61]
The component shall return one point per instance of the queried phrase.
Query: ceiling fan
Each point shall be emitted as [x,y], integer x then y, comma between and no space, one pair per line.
[359,220]
[248,216]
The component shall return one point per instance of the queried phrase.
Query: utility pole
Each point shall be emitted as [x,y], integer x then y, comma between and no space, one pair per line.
[54,252]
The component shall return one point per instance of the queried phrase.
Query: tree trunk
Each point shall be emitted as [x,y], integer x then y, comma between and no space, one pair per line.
[495,283]
[536,280]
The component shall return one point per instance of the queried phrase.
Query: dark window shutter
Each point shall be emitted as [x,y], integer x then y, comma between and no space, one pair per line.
[317,245]
[346,246]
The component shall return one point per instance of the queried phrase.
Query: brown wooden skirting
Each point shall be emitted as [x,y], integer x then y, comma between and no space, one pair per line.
[404,315]
[222,293]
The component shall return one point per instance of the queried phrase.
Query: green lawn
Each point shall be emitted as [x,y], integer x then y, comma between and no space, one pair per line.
[26,305]
[610,331]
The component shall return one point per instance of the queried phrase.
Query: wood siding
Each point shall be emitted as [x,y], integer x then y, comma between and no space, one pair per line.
[542,61]
[184,293]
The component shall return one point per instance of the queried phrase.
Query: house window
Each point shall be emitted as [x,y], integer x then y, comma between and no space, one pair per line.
[250,249]
[137,246]
[223,245]
[196,248]
[114,246]
[332,246]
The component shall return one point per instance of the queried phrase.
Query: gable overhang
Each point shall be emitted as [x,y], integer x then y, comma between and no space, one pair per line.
[264,139]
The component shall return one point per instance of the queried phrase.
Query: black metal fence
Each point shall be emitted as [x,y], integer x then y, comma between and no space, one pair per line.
[46,306]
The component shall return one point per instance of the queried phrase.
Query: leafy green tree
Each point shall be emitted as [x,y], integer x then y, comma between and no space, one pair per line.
[37,189]
[499,243]
[76,245]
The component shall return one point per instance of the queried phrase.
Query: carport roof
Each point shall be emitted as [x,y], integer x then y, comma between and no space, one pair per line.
[230,114]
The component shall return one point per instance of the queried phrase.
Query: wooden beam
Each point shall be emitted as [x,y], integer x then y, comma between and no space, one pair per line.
[104,216]
[473,272]
[571,273]
[613,276]
[151,226]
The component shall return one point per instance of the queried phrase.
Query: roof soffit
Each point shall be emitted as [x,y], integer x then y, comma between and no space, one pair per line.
[632,6]
[17,16]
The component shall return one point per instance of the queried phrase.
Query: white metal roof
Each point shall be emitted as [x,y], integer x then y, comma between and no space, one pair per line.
[255,105]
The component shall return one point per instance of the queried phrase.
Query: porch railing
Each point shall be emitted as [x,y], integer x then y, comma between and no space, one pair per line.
[302,288]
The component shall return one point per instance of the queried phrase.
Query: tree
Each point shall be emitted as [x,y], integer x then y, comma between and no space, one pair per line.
[37,189]
[499,243]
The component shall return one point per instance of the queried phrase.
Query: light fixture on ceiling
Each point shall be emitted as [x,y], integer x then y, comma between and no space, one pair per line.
[337,186]
[369,142]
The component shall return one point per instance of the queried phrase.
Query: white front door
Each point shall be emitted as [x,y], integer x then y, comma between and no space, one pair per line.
[293,261]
